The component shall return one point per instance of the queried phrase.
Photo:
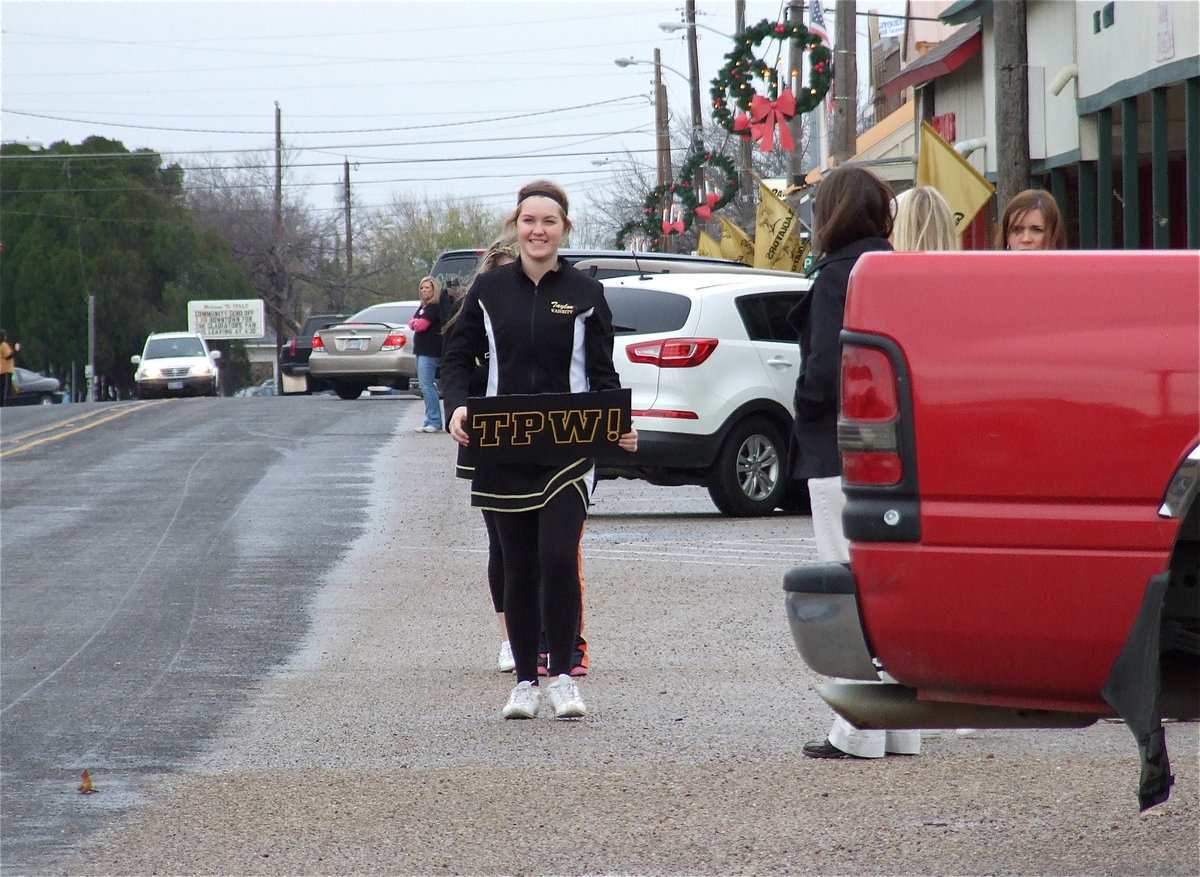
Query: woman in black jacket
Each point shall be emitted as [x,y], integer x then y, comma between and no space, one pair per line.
[852,215]
[545,328]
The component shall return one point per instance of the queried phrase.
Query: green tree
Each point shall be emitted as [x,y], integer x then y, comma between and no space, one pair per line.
[95,219]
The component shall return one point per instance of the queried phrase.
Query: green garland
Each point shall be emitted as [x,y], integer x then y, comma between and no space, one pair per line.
[697,160]
[734,85]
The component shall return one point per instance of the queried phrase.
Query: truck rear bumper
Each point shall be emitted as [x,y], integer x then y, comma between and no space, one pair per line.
[822,610]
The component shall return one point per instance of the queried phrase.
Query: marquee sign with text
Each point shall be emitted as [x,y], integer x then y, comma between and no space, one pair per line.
[547,427]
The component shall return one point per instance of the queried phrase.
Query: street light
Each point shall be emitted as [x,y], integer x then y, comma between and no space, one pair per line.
[672,26]
[629,62]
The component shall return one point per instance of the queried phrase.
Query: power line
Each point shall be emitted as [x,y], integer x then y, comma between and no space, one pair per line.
[454,124]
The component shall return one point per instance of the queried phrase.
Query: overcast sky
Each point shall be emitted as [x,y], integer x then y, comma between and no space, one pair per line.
[467,99]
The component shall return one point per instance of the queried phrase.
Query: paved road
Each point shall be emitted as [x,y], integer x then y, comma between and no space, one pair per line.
[157,559]
[347,718]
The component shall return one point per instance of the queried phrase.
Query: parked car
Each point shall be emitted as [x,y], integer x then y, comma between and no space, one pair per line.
[455,268]
[293,357]
[371,348]
[712,365]
[32,388]
[176,364]
[1021,474]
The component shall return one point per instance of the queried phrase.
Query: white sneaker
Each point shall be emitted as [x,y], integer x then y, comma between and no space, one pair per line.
[564,697]
[524,702]
[506,663]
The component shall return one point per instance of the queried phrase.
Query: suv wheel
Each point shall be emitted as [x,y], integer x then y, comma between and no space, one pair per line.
[748,478]
[348,391]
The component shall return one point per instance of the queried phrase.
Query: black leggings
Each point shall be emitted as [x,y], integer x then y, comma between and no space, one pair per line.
[541,580]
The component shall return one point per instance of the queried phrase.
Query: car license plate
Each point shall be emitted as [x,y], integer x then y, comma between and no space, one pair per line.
[174,385]
[354,344]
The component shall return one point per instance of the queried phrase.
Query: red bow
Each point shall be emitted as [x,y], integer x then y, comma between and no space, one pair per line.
[676,226]
[704,211]
[767,114]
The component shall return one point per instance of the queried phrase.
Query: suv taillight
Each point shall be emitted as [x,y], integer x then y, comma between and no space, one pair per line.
[672,352]
[292,346]
[318,344]
[393,342]
[869,413]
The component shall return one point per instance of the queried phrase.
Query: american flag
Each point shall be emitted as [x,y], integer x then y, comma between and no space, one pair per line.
[817,23]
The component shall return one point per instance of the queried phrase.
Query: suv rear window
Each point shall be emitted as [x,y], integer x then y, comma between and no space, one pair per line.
[765,316]
[646,311]
[455,270]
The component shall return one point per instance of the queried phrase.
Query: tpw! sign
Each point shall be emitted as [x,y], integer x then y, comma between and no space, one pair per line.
[546,428]
[230,318]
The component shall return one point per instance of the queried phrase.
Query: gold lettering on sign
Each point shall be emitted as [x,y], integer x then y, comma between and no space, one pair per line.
[577,426]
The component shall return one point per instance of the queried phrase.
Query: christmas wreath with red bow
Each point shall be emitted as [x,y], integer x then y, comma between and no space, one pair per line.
[712,201]
[761,116]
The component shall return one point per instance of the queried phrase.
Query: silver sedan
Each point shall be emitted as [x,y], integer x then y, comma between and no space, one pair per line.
[373,347]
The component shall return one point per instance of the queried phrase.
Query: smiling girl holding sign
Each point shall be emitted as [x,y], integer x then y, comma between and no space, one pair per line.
[546,329]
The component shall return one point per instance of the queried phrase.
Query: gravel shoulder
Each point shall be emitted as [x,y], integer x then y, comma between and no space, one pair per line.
[379,749]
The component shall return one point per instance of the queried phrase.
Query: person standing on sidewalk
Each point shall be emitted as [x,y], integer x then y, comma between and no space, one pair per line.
[504,251]
[8,353]
[426,324]
[546,328]
[852,215]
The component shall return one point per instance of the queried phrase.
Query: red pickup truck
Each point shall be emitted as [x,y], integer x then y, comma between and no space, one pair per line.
[1020,441]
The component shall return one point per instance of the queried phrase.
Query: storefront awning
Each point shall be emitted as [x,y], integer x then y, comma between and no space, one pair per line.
[946,57]
[964,11]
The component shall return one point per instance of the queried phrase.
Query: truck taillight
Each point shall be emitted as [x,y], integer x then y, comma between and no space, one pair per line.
[672,352]
[394,342]
[869,413]
[318,344]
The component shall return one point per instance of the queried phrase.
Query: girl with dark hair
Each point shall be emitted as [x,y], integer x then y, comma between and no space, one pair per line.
[1031,221]
[852,215]
[546,328]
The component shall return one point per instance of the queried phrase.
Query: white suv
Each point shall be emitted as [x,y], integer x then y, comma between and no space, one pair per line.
[712,363]
[176,364]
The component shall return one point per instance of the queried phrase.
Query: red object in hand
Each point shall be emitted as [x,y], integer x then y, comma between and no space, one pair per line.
[418,324]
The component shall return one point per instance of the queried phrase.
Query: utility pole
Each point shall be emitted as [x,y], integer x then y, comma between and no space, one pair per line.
[664,136]
[845,82]
[90,371]
[694,73]
[349,237]
[277,242]
[795,59]
[689,11]
[747,180]
[1012,100]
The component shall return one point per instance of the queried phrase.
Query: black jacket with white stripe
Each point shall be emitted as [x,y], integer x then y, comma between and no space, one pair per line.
[552,337]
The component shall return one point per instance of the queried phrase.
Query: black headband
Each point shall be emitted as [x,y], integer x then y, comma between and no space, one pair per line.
[556,198]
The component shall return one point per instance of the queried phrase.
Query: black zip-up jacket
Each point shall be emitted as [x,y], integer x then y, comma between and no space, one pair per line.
[555,337]
[818,318]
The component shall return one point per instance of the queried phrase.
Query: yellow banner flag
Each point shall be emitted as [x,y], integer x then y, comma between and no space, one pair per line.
[735,243]
[776,243]
[964,188]
[707,246]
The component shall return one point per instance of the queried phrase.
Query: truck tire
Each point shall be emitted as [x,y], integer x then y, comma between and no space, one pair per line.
[346,390]
[748,479]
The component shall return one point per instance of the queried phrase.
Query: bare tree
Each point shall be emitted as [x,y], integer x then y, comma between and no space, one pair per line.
[238,202]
